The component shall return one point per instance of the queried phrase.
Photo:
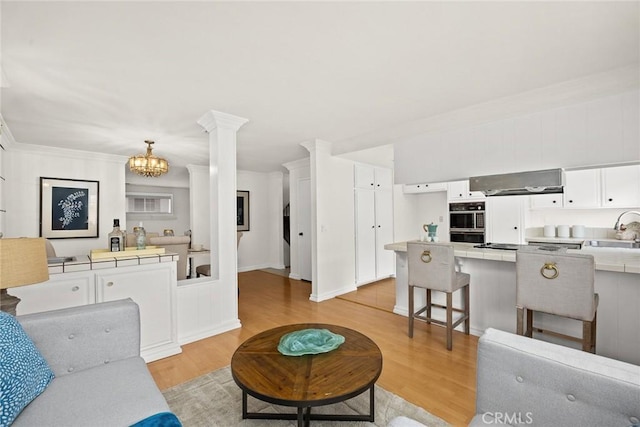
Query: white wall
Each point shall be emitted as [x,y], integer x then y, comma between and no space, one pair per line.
[412,211]
[199,206]
[598,132]
[27,163]
[261,246]
[179,221]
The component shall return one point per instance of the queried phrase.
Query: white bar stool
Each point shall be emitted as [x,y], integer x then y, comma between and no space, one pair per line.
[558,284]
[432,267]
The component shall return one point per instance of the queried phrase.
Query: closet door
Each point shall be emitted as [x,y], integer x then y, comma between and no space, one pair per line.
[365,236]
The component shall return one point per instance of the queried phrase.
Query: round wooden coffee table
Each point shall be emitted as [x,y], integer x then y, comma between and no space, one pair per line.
[306,381]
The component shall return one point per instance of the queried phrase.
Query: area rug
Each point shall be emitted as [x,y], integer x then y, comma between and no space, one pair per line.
[214,400]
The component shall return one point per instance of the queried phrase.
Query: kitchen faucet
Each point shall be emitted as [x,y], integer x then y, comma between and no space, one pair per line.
[617,226]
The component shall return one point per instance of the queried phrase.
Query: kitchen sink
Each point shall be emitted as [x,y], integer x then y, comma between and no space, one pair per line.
[629,244]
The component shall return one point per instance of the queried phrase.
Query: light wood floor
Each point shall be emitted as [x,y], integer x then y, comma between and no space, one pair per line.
[420,370]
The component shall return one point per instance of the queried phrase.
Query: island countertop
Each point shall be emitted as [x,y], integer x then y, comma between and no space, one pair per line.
[606,259]
[493,295]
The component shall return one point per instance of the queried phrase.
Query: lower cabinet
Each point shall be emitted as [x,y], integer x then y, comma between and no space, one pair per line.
[60,291]
[153,287]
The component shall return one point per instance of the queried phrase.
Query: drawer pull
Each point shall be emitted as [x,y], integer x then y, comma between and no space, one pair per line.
[109,284]
[75,289]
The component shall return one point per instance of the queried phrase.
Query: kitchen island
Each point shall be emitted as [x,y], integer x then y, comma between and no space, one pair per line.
[493,295]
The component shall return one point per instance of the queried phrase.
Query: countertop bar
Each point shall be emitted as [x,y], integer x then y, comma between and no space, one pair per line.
[84,262]
[606,259]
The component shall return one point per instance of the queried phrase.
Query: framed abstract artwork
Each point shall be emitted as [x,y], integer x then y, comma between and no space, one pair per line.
[68,208]
[242,210]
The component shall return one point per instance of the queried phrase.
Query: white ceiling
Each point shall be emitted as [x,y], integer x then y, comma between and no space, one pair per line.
[105,76]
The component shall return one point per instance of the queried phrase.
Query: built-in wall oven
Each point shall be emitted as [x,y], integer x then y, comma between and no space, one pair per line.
[467,222]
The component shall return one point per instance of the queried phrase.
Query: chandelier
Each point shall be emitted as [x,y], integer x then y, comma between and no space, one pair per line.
[148,164]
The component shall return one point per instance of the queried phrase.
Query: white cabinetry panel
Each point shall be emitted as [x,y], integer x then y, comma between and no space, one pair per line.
[373,223]
[424,188]
[365,236]
[152,290]
[385,262]
[60,291]
[545,201]
[582,189]
[621,187]
[505,219]
[459,190]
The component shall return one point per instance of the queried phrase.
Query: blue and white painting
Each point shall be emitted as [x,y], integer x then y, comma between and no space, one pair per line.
[69,208]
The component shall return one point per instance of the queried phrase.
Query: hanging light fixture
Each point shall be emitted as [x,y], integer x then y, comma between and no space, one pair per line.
[148,164]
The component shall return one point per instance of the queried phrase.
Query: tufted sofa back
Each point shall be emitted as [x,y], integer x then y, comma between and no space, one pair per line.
[79,338]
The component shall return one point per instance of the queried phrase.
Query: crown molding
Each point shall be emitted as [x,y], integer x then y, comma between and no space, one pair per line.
[68,153]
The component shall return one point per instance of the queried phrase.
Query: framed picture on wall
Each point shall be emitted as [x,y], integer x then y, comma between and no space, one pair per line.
[242,210]
[68,208]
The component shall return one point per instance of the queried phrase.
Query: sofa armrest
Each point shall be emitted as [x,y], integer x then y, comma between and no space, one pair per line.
[78,338]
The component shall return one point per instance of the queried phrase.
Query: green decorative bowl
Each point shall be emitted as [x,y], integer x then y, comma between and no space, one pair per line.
[309,341]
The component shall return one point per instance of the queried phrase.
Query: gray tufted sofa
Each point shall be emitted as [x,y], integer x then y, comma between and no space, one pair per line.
[100,378]
[523,381]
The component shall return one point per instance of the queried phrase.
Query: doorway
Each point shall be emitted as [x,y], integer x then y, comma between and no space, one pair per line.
[304,228]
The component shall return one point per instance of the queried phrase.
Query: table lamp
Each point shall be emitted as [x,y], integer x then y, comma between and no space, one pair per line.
[23,261]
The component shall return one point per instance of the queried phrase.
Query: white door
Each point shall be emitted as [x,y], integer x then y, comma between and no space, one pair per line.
[385,260]
[304,228]
[365,236]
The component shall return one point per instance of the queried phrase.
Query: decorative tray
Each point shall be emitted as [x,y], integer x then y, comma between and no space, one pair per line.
[127,253]
[309,341]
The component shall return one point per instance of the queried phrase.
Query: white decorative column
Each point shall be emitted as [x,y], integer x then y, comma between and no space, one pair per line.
[222,129]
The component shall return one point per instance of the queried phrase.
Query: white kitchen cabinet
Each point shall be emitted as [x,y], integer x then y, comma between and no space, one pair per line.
[373,225]
[459,190]
[153,288]
[546,201]
[372,177]
[60,291]
[582,189]
[424,188]
[621,187]
[505,219]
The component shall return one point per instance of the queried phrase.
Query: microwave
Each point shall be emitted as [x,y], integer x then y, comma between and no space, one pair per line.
[467,222]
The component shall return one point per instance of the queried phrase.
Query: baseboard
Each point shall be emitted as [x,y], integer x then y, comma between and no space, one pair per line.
[209,332]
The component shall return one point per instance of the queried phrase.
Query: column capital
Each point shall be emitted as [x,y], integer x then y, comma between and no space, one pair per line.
[215,119]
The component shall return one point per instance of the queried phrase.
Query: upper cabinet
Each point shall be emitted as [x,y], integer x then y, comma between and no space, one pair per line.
[459,190]
[582,189]
[373,178]
[613,187]
[621,187]
[424,188]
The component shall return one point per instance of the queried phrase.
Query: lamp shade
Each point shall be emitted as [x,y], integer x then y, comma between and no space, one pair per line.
[23,261]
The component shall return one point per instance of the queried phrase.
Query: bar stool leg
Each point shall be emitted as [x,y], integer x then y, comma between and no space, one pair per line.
[520,321]
[529,330]
[594,329]
[466,310]
[428,311]
[449,320]
[411,289]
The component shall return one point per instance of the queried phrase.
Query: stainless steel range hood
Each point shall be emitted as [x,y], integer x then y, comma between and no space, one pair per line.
[520,183]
